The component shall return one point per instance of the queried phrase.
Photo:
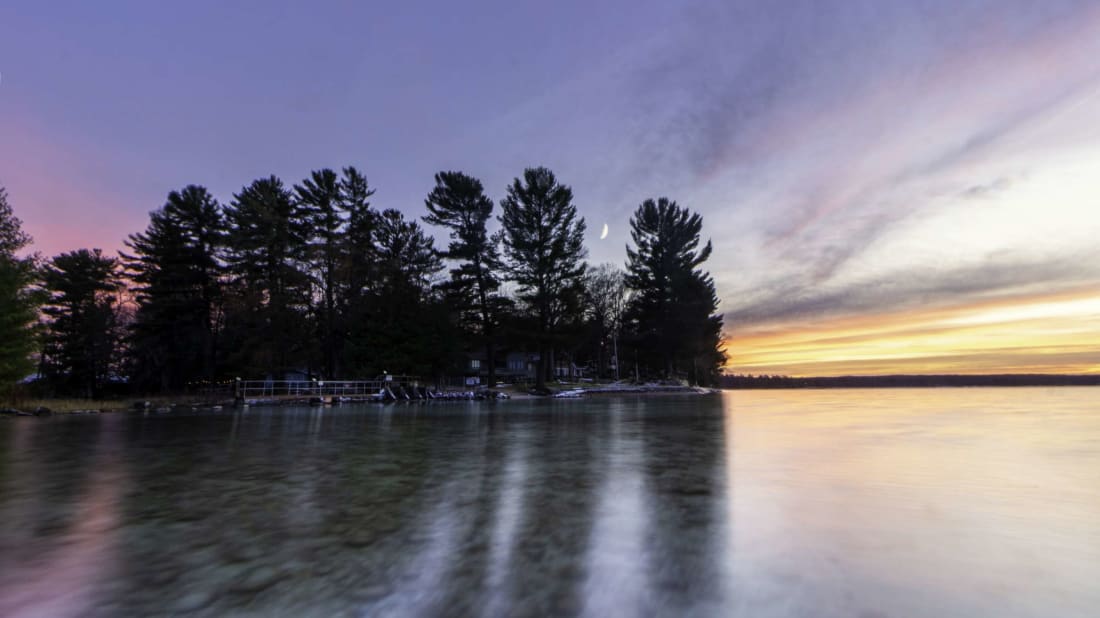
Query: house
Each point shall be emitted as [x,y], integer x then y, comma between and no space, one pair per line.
[519,366]
[512,366]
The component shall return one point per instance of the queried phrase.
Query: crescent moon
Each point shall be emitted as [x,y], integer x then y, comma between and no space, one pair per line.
[603,234]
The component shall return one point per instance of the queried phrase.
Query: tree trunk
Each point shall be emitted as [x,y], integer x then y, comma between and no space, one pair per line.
[600,369]
[551,369]
[615,350]
[491,356]
[540,370]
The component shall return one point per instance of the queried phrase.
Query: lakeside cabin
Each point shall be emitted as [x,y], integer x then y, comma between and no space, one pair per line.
[520,366]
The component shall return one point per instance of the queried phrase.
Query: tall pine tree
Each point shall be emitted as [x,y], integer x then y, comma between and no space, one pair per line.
[175,272]
[80,347]
[544,244]
[18,303]
[402,329]
[358,266]
[458,203]
[320,199]
[672,315]
[267,242]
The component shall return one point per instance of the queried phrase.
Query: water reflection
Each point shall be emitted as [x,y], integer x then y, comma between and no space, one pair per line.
[67,563]
[834,503]
[953,502]
[616,557]
[507,515]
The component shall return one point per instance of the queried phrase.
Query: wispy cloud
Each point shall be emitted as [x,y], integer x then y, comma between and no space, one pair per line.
[927,287]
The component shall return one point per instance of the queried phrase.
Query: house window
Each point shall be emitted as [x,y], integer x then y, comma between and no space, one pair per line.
[475,364]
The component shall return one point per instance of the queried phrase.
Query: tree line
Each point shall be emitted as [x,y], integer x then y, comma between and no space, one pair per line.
[313,278]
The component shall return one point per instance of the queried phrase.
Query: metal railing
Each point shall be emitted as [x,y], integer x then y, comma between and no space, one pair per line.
[274,389]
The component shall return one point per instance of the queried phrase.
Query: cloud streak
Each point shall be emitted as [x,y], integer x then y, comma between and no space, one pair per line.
[1000,276]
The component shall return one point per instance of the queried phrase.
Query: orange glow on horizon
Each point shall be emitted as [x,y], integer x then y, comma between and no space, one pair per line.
[1044,333]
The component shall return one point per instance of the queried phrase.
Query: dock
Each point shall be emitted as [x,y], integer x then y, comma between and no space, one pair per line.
[386,389]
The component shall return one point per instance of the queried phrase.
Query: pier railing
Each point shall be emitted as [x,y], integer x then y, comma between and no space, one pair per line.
[274,389]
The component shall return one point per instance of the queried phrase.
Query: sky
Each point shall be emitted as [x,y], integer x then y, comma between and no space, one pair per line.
[890,187]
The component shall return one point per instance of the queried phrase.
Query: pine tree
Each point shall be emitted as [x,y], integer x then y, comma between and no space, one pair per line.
[18,303]
[544,243]
[81,340]
[320,199]
[267,242]
[458,203]
[402,326]
[672,314]
[357,273]
[175,273]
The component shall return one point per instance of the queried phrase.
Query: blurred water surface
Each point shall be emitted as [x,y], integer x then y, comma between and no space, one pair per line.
[866,503]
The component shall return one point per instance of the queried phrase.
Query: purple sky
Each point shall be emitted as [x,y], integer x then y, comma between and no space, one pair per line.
[850,158]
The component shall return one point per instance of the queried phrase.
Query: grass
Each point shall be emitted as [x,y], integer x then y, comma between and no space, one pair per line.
[73,405]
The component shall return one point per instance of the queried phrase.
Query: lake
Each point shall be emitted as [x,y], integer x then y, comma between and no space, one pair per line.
[862,503]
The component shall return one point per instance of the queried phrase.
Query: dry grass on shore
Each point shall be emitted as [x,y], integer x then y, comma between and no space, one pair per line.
[72,405]
[63,405]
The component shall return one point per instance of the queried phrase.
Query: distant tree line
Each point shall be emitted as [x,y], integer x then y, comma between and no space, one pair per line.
[312,278]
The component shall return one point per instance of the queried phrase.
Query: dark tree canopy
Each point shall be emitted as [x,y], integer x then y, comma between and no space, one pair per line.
[407,259]
[358,257]
[459,204]
[311,281]
[81,339]
[268,234]
[12,236]
[18,303]
[320,198]
[672,314]
[399,331]
[175,273]
[544,244]
[357,275]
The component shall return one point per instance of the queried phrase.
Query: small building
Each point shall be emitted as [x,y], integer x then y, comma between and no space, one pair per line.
[520,366]
[511,366]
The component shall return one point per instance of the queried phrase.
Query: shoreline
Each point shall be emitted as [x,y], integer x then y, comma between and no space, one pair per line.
[168,405]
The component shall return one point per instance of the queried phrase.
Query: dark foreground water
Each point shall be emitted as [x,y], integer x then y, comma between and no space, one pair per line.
[864,503]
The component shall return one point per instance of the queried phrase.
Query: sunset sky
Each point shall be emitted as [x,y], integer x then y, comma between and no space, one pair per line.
[890,186]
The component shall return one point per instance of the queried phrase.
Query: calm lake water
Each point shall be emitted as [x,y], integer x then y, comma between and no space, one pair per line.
[864,503]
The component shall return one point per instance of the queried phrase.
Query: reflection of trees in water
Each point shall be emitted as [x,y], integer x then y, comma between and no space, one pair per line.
[534,513]
[547,574]
[44,468]
[60,502]
[238,505]
[481,459]
[615,560]
[683,447]
[549,508]
[506,520]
